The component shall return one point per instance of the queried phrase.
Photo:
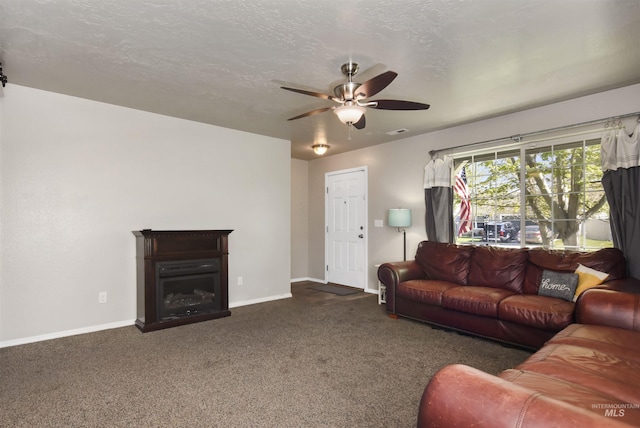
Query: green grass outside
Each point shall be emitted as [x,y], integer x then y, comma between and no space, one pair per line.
[589,244]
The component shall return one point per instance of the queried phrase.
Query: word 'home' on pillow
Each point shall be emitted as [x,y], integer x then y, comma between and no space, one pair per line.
[561,285]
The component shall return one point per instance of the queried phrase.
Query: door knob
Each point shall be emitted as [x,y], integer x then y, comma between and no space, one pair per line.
[361,236]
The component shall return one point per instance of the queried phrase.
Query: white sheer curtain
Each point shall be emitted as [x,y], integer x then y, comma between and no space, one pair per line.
[438,198]
[621,181]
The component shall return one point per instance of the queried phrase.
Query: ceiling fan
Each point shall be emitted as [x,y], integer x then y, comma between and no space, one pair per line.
[352,97]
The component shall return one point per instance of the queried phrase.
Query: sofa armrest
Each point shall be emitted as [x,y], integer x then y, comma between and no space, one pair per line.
[393,273]
[614,304]
[462,396]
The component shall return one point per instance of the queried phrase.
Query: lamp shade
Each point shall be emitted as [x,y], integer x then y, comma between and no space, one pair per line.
[399,217]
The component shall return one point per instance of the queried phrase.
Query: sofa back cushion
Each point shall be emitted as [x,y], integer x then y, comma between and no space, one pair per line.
[445,262]
[498,268]
[608,260]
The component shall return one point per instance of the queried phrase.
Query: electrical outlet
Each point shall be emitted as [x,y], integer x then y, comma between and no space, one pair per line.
[240,280]
[102,297]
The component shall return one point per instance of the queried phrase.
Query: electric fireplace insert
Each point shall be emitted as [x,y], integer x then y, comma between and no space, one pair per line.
[188,288]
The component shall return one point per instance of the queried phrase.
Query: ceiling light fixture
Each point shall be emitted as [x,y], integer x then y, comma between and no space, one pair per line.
[320,149]
[349,113]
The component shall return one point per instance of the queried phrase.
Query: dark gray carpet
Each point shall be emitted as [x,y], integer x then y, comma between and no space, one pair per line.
[291,363]
[336,289]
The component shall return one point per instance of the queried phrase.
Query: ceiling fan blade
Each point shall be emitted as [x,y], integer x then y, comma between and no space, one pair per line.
[361,123]
[399,105]
[311,113]
[313,94]
[375,84]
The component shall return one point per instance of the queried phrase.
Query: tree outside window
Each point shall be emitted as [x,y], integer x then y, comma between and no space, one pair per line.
[547,196]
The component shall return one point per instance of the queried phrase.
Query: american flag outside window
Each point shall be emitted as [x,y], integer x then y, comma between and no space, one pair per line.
[460,187]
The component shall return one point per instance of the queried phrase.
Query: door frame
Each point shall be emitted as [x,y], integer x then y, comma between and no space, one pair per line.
[365,270]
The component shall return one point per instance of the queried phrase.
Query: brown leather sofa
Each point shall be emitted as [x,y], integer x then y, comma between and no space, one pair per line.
[489,291]
[585,375]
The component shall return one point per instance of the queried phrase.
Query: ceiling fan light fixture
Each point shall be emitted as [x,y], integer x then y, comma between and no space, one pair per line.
[349,114]
[320,149]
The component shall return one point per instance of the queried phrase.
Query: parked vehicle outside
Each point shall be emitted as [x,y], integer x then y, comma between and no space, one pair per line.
[500,232]
[531,234]
[476,232]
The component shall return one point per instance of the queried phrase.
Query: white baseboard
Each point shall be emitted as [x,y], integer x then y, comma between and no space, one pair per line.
[95,328]
[261,300]
[60,334]
[321,281]
[126,323]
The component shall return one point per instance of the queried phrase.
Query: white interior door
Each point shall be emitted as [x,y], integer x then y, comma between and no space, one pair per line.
[346,227]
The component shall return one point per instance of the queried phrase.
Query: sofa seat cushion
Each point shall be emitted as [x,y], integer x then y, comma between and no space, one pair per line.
[575,394]
[546,313]
[425,290]
[605,372]
[620,342]
[475,300]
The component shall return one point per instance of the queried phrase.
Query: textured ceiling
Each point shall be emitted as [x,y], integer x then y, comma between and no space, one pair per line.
[222,62]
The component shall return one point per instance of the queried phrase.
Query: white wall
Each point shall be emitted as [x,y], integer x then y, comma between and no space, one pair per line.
[299,220]
[77,177]
[396,169]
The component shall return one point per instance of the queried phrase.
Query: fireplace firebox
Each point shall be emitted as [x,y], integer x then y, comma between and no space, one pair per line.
[182,277]
[188,288]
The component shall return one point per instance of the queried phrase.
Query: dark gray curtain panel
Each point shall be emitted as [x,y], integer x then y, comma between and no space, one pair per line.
[438,200]
[439,214]
[622,188]
[620,156]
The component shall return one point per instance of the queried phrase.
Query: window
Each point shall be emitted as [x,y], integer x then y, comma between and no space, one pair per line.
[535,195]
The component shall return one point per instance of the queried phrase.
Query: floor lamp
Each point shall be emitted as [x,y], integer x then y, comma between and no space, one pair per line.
[400,218]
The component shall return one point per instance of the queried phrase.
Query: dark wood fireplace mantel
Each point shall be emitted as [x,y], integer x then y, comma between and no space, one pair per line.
[155,249]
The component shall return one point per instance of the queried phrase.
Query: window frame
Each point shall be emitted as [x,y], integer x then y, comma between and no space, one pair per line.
[542,145]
